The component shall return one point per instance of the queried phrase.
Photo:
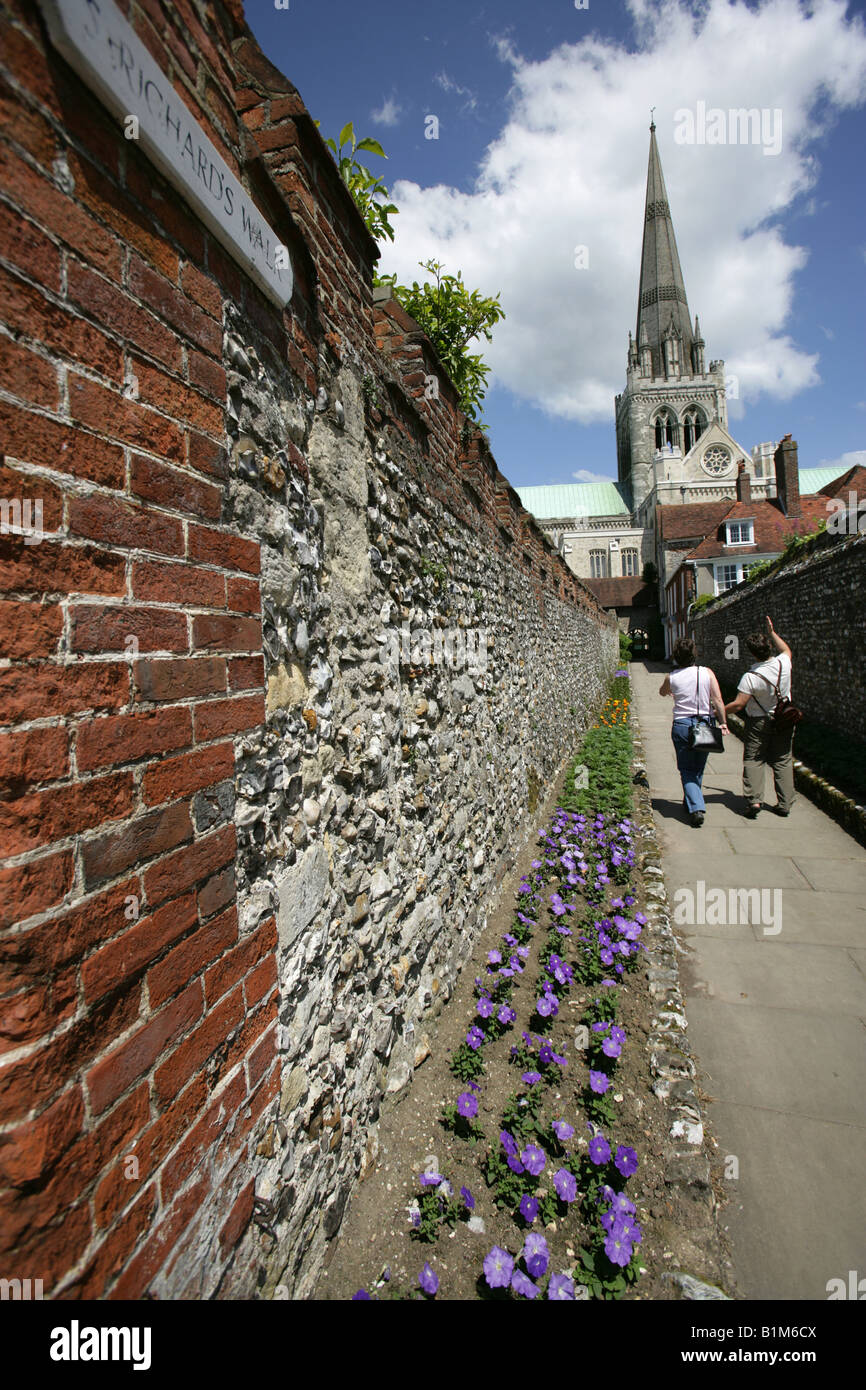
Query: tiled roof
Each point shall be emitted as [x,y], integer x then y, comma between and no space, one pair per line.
[852,481]
[772,528]
[625,591]
[691,521]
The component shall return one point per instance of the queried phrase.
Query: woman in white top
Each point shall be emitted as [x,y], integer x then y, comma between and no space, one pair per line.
[696,694]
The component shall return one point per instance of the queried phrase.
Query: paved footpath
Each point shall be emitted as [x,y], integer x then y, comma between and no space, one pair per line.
[777,1018]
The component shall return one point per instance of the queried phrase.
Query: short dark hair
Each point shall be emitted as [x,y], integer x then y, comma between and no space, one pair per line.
[759,645]
[685,652]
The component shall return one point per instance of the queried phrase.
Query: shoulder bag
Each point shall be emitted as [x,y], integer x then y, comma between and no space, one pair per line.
[706,732]
[785,715]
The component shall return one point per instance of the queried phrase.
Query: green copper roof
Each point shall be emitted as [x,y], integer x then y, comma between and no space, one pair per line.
[813,479]
[575,499]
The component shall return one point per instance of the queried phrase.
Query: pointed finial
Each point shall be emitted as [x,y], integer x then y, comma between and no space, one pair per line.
[652,118]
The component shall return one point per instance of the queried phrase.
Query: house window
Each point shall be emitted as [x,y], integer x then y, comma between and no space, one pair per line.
[741,532]
[727,577]
[629,562]
[598,564]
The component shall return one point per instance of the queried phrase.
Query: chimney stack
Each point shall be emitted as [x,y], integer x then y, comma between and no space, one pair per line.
[787,477]
[744,484]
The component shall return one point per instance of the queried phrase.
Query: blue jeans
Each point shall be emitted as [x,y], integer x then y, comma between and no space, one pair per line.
[691,763]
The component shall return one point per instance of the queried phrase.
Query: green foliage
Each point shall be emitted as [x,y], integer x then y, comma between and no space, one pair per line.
[704,601]
[624,647]
[369,192]
[453,317]
[436,1211]
[603,1279]
[461,1126]
[465,1063]
[650,573]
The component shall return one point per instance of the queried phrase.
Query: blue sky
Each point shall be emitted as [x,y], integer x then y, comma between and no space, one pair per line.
[543,114]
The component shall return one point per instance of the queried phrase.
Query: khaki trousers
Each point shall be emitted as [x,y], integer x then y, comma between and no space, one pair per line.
[766,746]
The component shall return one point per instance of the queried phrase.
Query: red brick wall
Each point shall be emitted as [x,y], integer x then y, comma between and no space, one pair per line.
[136,1021]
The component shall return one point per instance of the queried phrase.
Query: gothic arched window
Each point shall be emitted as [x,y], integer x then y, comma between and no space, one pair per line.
[667,429]
[693,427]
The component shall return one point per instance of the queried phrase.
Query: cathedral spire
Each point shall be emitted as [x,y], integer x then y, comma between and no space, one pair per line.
[662,293]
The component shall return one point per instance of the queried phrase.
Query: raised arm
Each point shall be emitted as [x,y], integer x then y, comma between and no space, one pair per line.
[776,639]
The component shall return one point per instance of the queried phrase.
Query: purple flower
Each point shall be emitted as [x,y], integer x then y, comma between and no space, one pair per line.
[599,1149]
[545,1054]
[618,1248]
[494,957]
[430,1179]
[474,1038]
[611,1048]
[533,1159]
[531,1077]
[536,1254]
[562,1130]
[522,1285]
[485,1006]
[468,1199]
[429,1280]
[362,1293]
[626,1160]
[560,1061]
[507,1142]
[599,1082]
[515,1165]
[467,1105]
[506,1014]
[565,1184]
[547,1006]
[622,1205]
[560,1287]
[498,1267]
[528,1207]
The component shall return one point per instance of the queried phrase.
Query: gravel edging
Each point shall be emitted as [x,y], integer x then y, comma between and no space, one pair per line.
[688,1147]
[839,807]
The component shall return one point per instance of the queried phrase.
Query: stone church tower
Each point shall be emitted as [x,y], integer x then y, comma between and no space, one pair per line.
[671,419]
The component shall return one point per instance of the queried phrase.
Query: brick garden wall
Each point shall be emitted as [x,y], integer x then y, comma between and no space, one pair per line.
[817,606]
[243,858]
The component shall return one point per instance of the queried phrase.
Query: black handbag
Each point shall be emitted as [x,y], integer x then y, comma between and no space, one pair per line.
[706,732]
[785,715]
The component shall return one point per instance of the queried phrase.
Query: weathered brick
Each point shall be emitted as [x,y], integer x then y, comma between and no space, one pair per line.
[188,773]
[108,412]
[178,583]
[117,522]
[171,487]
[138,1272]
[219,717]
[179,871]
[144,838]
[109,628]
[219,633]
[48,443]
[172,306]
[203,290]
[223,549]
[29,630]
[54,568]
[125,738]
[238,1218]
[101,299]
[247,673]
[176,398]
[117,1071]
[45,203]
[29,955]
[137,948]
[38,818]
[191,956]
[208,375]
[217,893]
[199,1142]
[31,757]
[34,887]
[181,678]
[34,1148]
[243,595]
[236,964]
[28,376]
[28,692]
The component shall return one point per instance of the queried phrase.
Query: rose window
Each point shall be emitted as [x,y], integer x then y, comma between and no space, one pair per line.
[716,460]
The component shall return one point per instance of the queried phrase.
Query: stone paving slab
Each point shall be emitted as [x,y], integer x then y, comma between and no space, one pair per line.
[796,1217]
[777,1023]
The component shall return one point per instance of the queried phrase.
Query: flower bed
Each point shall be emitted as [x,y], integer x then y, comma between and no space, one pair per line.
[573,940]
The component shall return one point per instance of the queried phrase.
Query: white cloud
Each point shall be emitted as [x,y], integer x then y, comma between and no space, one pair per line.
[388,113]
[855,458]
[585,475]
[470,100]
[569,168]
